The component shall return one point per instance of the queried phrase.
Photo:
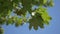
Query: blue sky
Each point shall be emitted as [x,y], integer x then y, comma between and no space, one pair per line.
[53,28]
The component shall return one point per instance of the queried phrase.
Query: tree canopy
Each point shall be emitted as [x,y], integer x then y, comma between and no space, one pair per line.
[15,12]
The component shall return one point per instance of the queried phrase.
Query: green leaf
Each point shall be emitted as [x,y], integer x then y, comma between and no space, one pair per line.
[45,1]
[21,12]
[36,21]
[9,21]
[44,15]
[1,31]
[2,20]
[18,22]
[51,3]
[40,18]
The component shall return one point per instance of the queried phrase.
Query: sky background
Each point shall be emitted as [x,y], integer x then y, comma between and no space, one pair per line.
[53,28]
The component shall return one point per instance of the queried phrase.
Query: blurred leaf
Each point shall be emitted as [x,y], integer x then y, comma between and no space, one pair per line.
[40,18]
[2,20]
[45,1]
[44,15]
[18,22]
[36,21]
[1,31]
[51,3]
